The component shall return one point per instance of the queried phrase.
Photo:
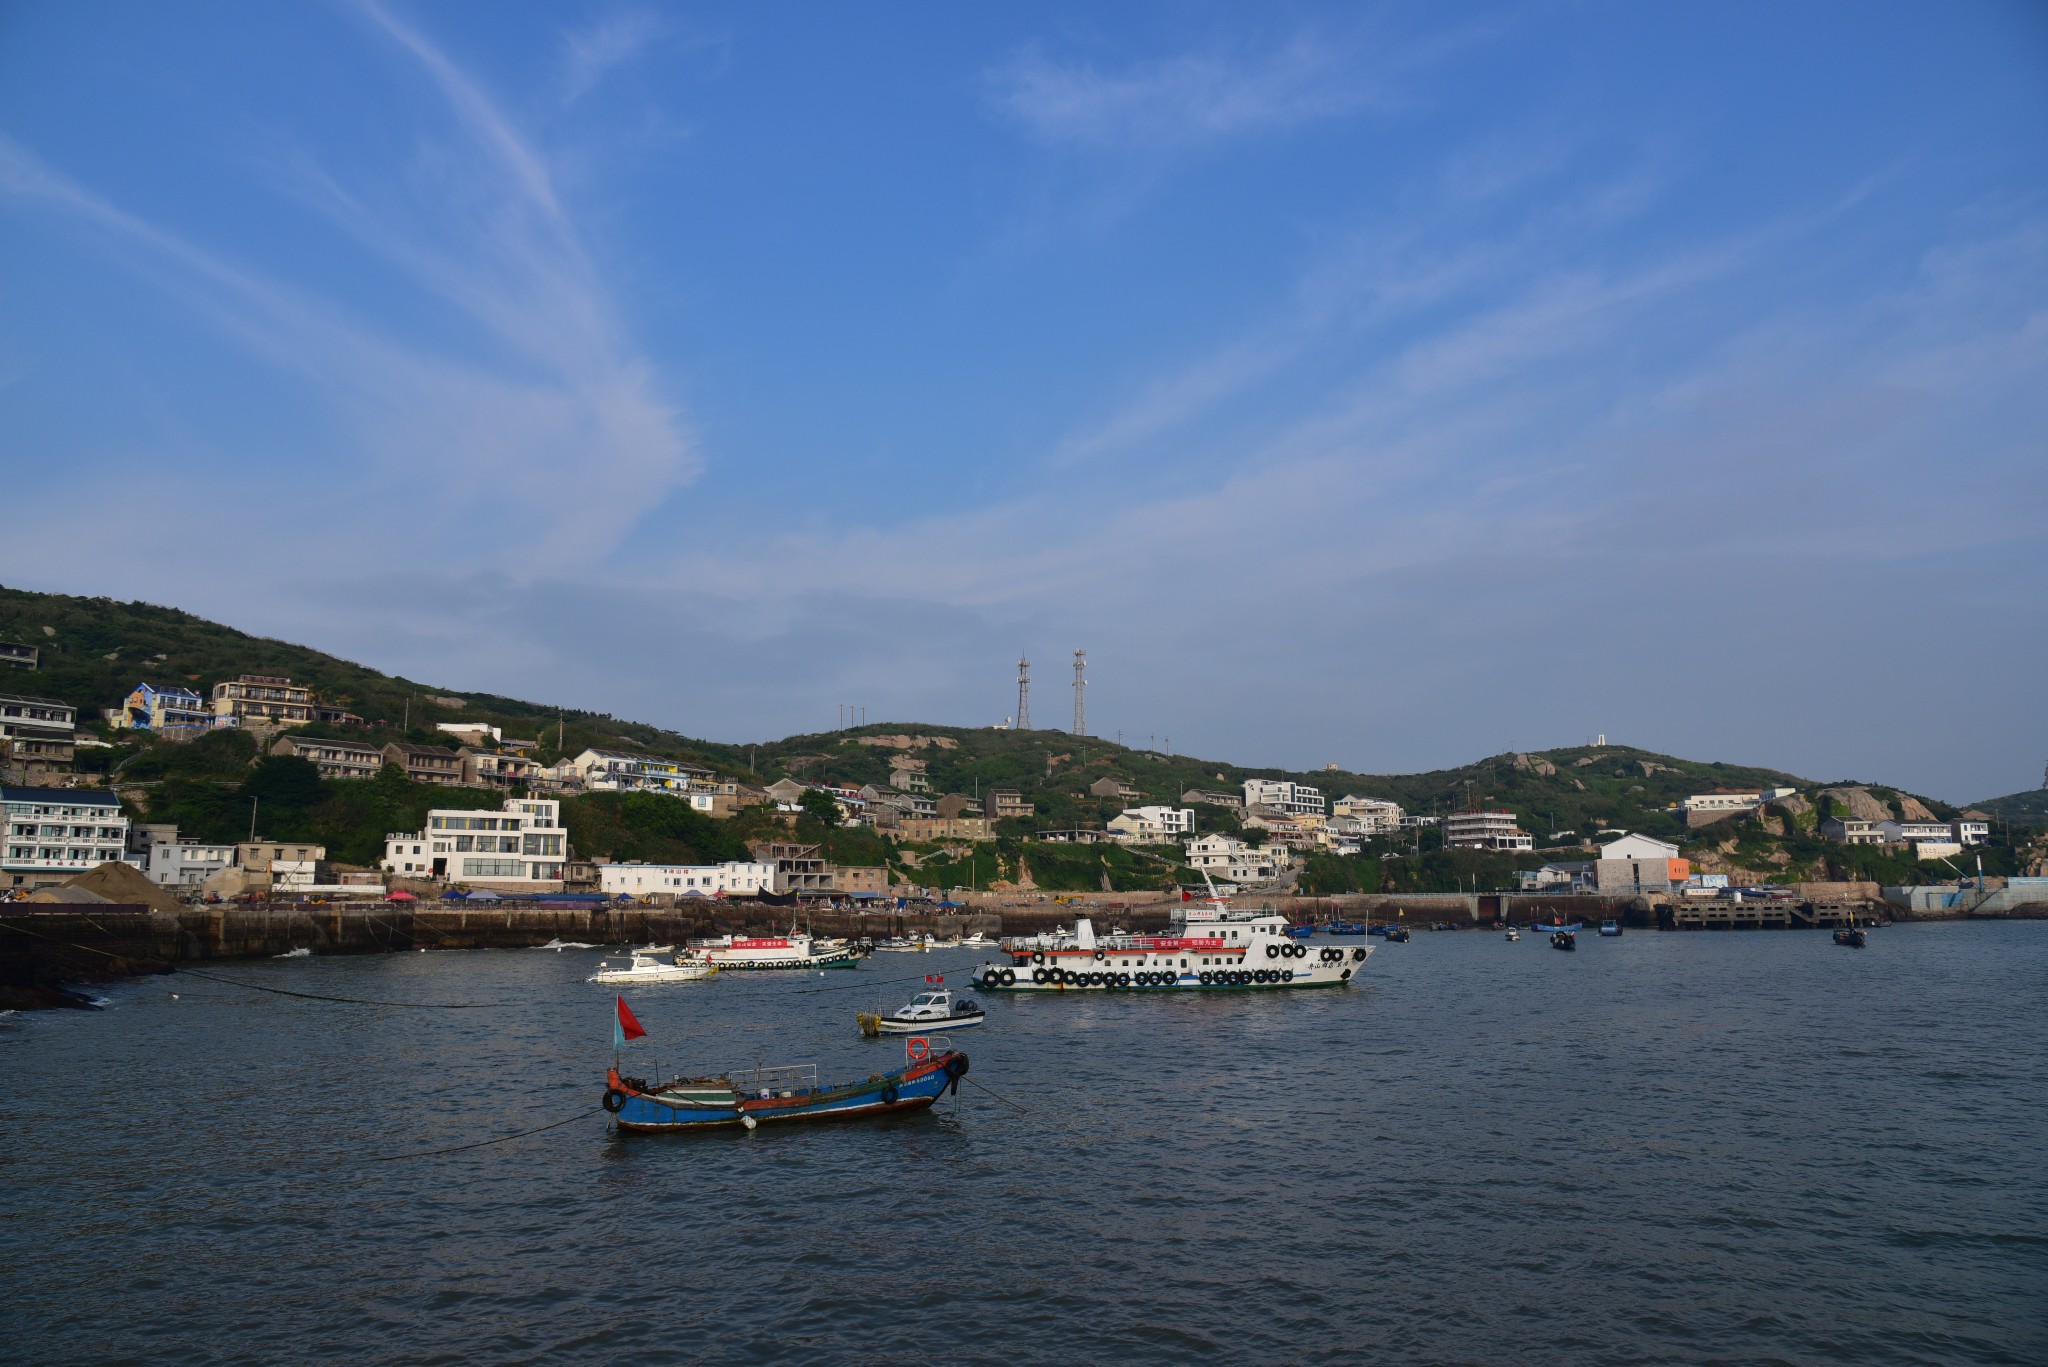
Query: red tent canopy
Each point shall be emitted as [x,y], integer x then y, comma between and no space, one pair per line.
[401,896]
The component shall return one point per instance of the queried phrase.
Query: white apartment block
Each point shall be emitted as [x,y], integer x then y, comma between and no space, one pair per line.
[1723,800]
[1487,830]
[1152,825]
[55,833]
[180,864]
[1227,857]
[1376,815]
[1296,799]
[688,880]
[1923,833]
[522,844]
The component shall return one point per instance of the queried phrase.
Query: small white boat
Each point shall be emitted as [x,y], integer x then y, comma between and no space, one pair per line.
[938,1009]
[977,938]
[646,968]
[896,944]
[558,945]
[1514,934]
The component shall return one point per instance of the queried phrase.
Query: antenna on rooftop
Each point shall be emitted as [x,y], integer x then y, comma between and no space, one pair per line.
[1080,693]
[1023,692]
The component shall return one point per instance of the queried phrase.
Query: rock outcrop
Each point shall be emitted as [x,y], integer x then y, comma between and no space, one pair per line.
[1858,803]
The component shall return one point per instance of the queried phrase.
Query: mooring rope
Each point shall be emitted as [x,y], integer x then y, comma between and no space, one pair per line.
[997,1095]
[485,1143]
[351,1001]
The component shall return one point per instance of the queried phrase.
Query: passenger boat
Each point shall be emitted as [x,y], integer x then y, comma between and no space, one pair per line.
[1564,939]
[1208,947]
[1610,928]
[647,968]
[928,1012]
[1851,936]
[794,950]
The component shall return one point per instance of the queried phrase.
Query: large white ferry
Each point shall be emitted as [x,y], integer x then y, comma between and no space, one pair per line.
[1208,947]
[794,950]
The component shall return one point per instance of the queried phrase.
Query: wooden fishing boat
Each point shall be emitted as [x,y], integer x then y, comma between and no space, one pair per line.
[749,1097]
[746,1097]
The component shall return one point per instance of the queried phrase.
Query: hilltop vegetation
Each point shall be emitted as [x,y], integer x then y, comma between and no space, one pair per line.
[94,650]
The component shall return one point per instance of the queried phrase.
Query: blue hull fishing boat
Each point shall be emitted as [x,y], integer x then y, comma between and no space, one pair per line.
[1344,928]
[744,1099]
[1610,928]
[1300,932]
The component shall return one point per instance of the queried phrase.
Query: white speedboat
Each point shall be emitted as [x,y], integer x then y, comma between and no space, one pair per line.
[977,938]
[1514,934]
[647,968]
[938,1009]
[897,944]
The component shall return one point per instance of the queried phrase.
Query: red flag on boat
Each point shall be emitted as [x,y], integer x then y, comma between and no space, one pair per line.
[1186,896]
[629,1028]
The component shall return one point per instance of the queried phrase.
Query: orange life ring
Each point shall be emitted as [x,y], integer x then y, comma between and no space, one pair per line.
[920,1049]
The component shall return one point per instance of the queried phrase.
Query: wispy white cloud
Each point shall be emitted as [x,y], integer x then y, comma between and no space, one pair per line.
[591,53]
[1195,97]
[1183,99]
[549,393]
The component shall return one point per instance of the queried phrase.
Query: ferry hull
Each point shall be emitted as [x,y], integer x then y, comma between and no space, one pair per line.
[1068,973]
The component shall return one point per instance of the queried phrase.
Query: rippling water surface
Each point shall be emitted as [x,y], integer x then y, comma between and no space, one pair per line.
[1730,1148]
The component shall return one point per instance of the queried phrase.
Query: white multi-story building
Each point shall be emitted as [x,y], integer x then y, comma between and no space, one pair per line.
[1969,832]
[1376,815]
[52,834]
[1296,799]
[1485,830]
[688,880]
[615,771]
[521,845]
[180,863]
[1152,825]
[1227,857]
[1723,800]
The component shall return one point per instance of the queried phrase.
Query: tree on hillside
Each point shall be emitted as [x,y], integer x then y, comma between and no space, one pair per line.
[821,806]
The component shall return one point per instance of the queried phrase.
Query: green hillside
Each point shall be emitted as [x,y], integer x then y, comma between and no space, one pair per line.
[2029,808]
[94,650]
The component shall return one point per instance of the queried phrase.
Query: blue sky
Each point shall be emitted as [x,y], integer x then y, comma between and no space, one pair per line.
[1388,386]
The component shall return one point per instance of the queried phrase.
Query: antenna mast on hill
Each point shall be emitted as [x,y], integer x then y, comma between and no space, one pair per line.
[1080,692]
[1023,692]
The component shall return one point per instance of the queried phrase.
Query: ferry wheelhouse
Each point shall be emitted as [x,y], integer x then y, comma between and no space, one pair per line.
[1209,947]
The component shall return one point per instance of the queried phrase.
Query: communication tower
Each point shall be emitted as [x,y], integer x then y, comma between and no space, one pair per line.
[1080,692]
[1023,692]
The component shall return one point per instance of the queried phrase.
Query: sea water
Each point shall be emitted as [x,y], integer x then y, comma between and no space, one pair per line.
[1732,1147]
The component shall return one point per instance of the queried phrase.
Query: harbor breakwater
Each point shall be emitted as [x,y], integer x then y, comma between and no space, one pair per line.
[45,946]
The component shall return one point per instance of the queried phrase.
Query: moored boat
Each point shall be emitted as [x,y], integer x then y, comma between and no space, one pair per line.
[1514,934]
[1207,947]
[1610,928]
[1396,934]
[1851,936]
[1344,928]
[648,968]
[1300,932]
[794,950]
[927,1013]
[1564,939]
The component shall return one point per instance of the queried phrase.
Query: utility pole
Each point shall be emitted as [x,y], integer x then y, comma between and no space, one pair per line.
[1023,692]
[1080,693]
[252,816]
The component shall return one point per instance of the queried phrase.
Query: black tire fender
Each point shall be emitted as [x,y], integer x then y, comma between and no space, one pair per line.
[614,1100]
